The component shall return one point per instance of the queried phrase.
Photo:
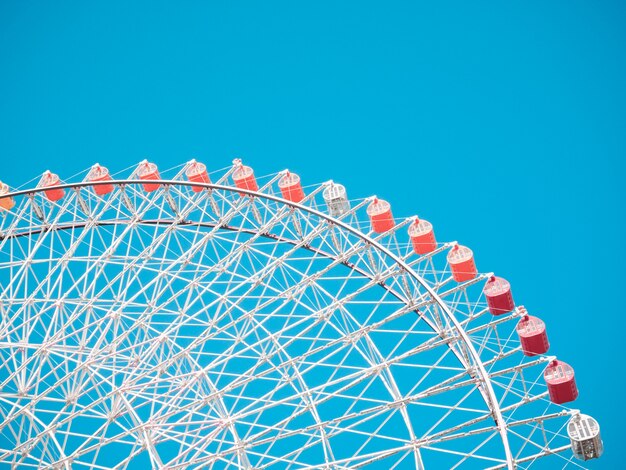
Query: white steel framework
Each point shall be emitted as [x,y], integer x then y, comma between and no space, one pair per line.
[234,329]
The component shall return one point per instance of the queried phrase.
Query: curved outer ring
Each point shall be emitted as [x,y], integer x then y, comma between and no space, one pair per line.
[490,398]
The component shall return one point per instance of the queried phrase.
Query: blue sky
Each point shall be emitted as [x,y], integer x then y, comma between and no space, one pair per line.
[503,123]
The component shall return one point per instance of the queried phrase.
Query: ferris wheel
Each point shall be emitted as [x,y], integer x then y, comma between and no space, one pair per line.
[225,320]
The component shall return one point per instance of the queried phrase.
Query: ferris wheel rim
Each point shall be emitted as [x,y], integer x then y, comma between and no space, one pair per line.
[487,392]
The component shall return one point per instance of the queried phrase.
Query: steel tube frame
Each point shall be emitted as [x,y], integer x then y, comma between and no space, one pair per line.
[487,391]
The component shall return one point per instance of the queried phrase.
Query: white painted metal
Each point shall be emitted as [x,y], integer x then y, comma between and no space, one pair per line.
[233,329]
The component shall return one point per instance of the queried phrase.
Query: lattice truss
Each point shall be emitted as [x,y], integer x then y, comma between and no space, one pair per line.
[177,329]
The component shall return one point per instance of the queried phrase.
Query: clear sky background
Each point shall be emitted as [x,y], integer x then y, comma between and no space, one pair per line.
[503,123]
